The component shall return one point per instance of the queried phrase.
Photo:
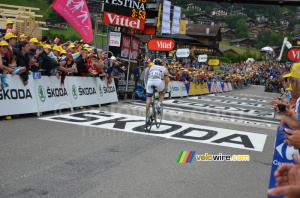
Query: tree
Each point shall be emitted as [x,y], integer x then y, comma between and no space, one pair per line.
[241,29]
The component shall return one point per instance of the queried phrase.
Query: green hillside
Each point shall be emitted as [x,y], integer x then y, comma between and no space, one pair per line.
[226,45]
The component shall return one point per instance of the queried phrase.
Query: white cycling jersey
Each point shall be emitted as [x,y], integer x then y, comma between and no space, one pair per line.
[156,74]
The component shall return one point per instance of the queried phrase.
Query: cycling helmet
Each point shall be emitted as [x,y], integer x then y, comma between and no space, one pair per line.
[157,62]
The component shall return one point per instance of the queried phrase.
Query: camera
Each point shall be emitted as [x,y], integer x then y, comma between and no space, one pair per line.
[281,108]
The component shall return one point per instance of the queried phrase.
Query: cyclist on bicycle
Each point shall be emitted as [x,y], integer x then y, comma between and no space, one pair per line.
[157,74]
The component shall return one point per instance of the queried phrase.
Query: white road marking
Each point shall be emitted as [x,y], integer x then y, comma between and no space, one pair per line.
[226,109]
[240,121]
[231,102]
[168,129]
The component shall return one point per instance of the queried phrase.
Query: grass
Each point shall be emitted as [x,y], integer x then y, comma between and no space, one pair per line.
[226,45]
[71,31]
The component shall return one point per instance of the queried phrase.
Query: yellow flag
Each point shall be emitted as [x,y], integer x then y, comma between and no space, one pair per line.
[159,13]
[182,26]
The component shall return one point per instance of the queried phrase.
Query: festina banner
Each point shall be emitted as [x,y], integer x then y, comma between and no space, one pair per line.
[166,27]
[176,20]
[77,14]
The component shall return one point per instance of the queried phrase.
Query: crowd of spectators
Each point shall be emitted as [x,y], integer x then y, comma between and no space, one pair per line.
[21,55]
[239,74]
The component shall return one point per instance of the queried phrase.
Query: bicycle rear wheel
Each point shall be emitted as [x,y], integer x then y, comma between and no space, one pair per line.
[149,117]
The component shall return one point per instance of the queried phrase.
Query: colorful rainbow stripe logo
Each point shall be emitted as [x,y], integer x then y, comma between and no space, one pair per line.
[189,157]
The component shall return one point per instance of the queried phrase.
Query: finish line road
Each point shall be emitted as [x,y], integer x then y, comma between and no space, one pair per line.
[106,152]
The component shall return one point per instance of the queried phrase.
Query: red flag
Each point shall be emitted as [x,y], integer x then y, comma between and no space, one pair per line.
[77,14]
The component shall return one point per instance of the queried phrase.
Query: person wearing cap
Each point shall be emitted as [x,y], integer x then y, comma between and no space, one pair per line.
[23,60]
[33,54]
[23,37]
[56,51]
[71,49]
[5,62]
[48,64]
[9,26]
[292,119]
[66,67]
[81,63]
[11,40]
[110,65]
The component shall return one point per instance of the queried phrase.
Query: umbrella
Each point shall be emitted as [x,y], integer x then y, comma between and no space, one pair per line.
[267,49]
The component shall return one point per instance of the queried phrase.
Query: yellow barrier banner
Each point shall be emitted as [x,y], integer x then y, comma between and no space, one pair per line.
[194,89]
[204,89]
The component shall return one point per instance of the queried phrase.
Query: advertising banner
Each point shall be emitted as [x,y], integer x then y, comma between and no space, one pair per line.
[51,95]
[83,91]
[174,88]
[214,62]
[166,27]
[17,98]
[125,50]
[134,49]
[194,89]
[204,89]
[183,53]
[202,58]
[183,89]
[176,20]
[124,21]
[107,92]
[282,154]
[161,44]
[115,39]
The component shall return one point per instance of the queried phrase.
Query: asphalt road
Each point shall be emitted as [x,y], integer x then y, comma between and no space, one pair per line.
[104,152]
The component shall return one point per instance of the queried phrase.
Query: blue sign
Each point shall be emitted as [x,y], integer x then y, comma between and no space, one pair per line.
[282,154]
[36,75]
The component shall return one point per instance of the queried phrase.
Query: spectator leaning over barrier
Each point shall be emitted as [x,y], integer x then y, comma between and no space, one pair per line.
[109,65]
[93,66]
[11,40]
[33,54]
[66,67]
[293,119]
[5,62]
[81,63]
[102,72]
[23,61]
[117,75]
[48,64]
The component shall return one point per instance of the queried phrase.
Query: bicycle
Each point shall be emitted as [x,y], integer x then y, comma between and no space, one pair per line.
[152,113]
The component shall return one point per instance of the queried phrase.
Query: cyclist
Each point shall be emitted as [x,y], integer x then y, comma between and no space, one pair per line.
[157,74]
